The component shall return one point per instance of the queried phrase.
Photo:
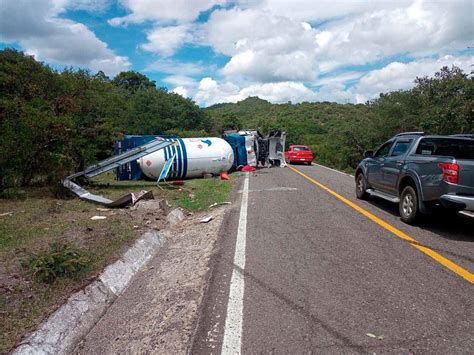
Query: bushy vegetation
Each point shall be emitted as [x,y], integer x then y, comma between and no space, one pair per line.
[339,133]
[52,123]
[61,260]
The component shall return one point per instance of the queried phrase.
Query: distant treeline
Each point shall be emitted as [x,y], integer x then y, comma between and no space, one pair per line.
[339,133]
[53,123]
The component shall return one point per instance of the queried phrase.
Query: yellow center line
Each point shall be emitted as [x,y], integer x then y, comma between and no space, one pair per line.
[431,253]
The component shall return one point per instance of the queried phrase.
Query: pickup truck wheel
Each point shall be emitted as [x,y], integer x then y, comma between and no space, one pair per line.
[409,211]
[361,192]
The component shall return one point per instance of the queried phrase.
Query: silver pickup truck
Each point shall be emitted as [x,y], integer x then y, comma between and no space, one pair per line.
[420,171]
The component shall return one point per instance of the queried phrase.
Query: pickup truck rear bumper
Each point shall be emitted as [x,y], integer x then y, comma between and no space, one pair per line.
[458,202]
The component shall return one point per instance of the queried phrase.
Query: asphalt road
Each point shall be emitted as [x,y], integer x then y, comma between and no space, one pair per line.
[319,276]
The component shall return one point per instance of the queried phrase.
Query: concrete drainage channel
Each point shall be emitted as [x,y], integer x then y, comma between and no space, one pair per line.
[72,321]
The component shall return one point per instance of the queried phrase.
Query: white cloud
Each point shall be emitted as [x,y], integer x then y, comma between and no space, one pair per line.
[280,92]
[38,29]
[269,42]
[263,47]
[392,77]
[211,92]
[421,28]
[86,5]
[318,10]
[180,90]
[398,76]
[163,11]
[181,80]
[177,67]
[166,40]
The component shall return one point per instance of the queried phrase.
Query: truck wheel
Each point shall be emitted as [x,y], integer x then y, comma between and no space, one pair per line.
[408,207]
[361,192]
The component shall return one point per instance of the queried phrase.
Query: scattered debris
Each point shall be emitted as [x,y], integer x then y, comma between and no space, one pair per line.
[247,168]
[192,195]
[379,337]
[178,183]
[102,209]
[206,219]
[225,176]
[220,204]
[97,218]
[6,214]
[175,216]
[113,163]
[142,195]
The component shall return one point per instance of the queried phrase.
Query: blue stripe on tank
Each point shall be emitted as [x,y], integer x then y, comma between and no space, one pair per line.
[180,160]
[173,167]
[185,158]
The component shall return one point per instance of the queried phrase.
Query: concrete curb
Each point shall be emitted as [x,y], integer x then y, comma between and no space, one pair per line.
[60,333]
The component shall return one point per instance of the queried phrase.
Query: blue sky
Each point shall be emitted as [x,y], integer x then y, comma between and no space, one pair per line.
[224,51]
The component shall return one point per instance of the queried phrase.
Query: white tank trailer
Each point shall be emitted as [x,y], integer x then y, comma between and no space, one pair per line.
[194,157]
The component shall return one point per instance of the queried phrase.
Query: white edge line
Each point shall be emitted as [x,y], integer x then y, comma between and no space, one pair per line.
[337,171]
[467,213]
[232,341]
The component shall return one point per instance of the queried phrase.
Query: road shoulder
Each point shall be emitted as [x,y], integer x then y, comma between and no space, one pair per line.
[159,310]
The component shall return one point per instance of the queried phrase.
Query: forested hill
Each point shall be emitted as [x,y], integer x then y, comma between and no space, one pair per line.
[339,133]
[53,123]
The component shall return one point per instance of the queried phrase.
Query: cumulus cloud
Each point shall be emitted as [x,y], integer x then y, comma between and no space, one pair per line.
[37,27]
[211,92]
[317,10]
[176,67]
[421,28]
[163,11]
[181,80]
[267,44]
[180,90]
[166,40]
[399,76]
[86,5]
[355,87]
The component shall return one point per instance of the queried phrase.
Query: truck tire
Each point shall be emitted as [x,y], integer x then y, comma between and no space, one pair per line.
[408,207]
[361,187]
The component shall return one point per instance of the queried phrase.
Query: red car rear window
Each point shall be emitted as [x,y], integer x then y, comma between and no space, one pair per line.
[301,148]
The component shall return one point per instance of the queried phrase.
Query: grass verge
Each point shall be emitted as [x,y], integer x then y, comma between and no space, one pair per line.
[39,223]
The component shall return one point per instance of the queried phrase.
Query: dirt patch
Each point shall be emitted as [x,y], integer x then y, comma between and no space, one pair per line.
[159,310]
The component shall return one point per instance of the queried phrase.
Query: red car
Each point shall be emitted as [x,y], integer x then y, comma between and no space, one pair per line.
[299,154]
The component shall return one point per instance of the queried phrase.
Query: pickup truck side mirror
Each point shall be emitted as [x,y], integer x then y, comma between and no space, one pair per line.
[368,154]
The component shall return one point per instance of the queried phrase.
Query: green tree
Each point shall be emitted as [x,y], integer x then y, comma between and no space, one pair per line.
[131,81]
[447,101]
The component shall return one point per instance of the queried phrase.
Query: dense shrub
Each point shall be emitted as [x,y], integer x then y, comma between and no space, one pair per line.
[61,260]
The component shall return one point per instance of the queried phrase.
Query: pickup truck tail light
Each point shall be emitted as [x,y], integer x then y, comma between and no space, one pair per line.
[450,172]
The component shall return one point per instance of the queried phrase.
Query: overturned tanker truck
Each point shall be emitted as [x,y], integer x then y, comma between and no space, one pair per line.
[186,158]
[195,157]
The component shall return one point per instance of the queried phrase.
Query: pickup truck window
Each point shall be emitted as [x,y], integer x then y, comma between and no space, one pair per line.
[400,148]
[457,148]
[383,150]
